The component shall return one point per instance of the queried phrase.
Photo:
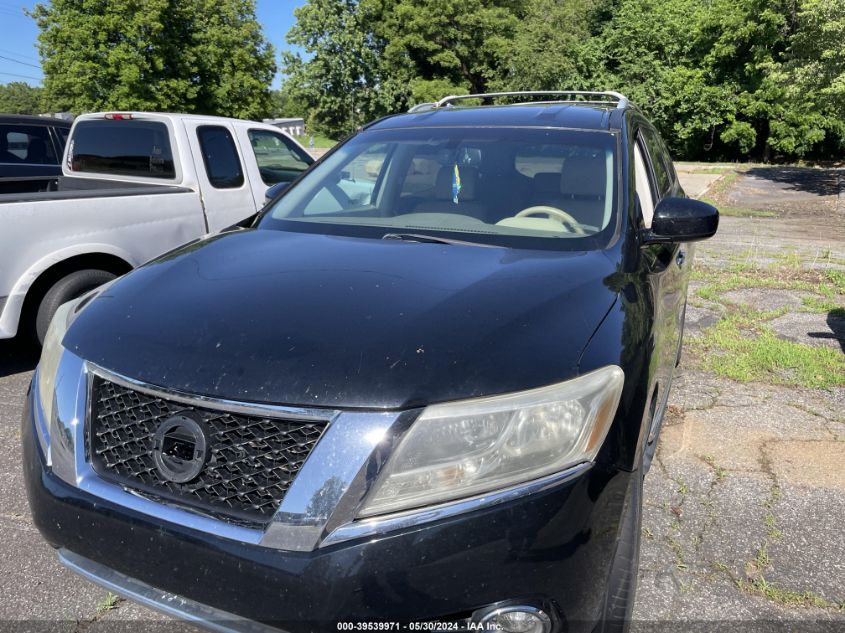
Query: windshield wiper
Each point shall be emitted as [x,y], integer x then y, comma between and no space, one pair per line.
[428,239]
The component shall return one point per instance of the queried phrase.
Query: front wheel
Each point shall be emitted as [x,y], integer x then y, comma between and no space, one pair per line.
[66,289]
[622,585]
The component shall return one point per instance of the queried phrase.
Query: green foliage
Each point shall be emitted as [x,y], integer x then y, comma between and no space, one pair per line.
[550,47]
[463,41]
[18,97]
[429,90]
[343,83]
[193,56]
[761,79]
[817,64]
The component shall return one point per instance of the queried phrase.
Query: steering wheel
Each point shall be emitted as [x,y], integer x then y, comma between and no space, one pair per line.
[554,213]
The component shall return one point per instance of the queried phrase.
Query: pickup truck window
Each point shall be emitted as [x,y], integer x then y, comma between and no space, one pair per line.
[220,157]
[279,159]
[26,144]
[124,148]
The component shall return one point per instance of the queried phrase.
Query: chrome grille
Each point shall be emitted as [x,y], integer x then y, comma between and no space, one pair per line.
[251,463]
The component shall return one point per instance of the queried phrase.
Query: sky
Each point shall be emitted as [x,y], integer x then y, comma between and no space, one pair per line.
[18,33]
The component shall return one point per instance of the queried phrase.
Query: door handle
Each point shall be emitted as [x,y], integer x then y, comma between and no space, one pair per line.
[680,258]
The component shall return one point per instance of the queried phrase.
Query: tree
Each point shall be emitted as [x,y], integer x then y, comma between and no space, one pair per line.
[817,63]
[342,82]
[549,49]
[465,42]
[186,55]
[18,97]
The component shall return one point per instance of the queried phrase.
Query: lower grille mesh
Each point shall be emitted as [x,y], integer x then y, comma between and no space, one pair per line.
[251,461]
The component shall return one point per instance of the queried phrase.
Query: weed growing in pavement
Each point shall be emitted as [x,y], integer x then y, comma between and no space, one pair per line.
[108,603]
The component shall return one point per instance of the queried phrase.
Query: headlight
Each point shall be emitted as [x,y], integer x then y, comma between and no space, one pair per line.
[468,448]
[51,354]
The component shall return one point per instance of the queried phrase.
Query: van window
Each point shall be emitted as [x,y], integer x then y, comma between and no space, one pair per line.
[124,148]
[222,164]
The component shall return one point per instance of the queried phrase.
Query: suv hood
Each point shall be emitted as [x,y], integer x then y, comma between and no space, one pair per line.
[315,320]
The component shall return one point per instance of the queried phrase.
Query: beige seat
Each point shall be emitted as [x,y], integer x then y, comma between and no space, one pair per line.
[582,189]
[442,200]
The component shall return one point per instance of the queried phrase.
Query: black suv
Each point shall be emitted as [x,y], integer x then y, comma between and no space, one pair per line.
[420,390]
[31,149]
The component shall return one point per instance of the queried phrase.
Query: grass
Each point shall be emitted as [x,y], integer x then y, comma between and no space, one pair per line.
[822,306]
[712,170]
[783,275]
[769,519]
[721,186]
[320,141]
[108,603]
[743,348]
[760,586]
[718,470]
[736,353]
[741,212]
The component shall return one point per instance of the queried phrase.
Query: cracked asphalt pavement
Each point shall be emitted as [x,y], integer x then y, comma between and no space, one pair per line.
[743,511]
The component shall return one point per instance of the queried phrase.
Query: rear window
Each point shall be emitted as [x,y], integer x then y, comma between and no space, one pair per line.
[123,148]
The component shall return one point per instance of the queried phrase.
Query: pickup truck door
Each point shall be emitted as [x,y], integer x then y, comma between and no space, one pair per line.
[224,184]
[271,157]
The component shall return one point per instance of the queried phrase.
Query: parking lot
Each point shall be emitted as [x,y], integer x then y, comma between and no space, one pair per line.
[745,500]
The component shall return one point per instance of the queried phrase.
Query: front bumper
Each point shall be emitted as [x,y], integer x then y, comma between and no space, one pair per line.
[552,549]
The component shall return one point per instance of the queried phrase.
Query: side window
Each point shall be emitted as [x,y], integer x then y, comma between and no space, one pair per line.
[279,159]
[662,172]
[220,156]
[26,144]
[643,185]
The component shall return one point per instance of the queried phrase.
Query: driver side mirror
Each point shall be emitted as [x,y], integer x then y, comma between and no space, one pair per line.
[681,220]
[274,191]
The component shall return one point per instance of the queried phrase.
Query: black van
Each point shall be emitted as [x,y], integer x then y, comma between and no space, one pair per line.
[31,149]
[419,391]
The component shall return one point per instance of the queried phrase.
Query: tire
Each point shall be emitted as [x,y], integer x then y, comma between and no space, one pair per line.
[66,289]
[681,335]
[622,584]
[651,447]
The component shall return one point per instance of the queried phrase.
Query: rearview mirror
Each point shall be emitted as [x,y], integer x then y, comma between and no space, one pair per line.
[681,220]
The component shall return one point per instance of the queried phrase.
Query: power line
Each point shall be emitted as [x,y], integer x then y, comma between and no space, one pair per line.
[23,76]
[17,62]
[17,54]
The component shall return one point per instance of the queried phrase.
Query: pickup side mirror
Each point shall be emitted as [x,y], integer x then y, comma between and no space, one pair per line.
[274,191]
[681,220]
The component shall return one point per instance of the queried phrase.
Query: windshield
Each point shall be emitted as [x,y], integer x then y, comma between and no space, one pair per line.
[530,188]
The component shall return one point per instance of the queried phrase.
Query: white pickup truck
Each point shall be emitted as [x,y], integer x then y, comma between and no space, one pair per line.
[134,186]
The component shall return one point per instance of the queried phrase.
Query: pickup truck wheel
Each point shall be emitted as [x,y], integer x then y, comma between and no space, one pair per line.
[622,585]
[66,289]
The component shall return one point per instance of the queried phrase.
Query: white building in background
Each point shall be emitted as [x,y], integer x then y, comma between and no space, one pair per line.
[65,116]
[294,127]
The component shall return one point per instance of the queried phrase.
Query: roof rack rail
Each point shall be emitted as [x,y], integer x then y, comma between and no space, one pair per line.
[421,107]
[572,95]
